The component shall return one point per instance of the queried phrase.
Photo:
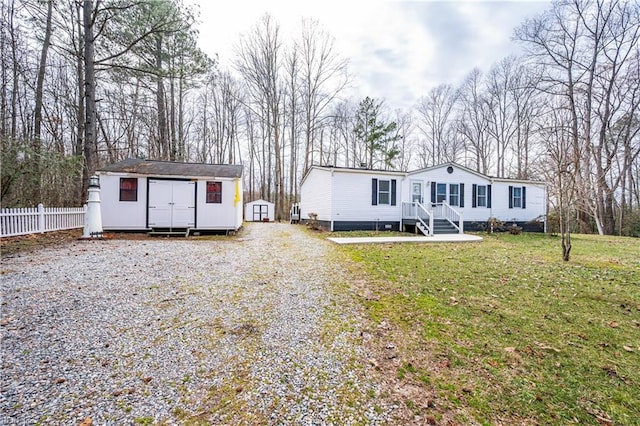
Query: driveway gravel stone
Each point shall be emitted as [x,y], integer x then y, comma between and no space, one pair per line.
[254,329]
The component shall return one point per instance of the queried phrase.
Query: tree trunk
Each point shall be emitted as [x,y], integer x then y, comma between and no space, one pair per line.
[37,131]
[78,149]
[163,140]
[172,118]
[89,96]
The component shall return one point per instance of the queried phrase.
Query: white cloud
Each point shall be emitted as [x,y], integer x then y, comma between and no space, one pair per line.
[398,50]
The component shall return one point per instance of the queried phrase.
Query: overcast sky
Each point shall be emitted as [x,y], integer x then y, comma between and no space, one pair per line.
[397,50]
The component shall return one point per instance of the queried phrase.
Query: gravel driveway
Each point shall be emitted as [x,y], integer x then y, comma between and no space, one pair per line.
[249,330]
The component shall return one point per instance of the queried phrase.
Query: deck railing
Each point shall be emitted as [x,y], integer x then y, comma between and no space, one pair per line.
[445,211]
[23,221]
[420,214]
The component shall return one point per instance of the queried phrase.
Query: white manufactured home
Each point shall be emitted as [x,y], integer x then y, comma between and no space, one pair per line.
[259,211]
[447,198]
[145,195]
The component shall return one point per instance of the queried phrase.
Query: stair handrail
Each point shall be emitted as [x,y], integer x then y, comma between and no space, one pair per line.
[429,216]
[452,215]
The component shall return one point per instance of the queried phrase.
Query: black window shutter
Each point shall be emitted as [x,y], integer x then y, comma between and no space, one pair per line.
[524,197]
[474,194]
[393,192]
[374,192]
[462,195]
[433,192]
[510,196]
[489,196]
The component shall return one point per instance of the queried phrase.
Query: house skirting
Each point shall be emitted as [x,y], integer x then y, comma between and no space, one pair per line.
[529,226]
[365,225]
[469,226]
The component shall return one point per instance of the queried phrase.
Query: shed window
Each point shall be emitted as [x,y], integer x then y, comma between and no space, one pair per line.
[214,192]
[128,189]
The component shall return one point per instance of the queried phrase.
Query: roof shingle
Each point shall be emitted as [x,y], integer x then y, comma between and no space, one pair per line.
[171,168]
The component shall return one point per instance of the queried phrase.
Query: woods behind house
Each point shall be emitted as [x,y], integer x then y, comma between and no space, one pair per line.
[88,83]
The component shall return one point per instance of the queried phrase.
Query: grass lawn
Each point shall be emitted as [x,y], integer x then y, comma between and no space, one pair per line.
[504,332]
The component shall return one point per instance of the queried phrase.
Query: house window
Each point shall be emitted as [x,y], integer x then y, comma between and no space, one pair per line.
[128,189]
[517,197]
[481,196]
[441,192]
[454,194]
[214,192]
[451,192]
[383,192]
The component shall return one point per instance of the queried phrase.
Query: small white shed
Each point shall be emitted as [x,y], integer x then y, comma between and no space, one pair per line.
[158,195]
[259,211]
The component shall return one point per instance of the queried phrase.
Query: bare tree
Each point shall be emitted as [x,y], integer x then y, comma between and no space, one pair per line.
[435,120]
[473,122]
[259,62]
[588,48]
[405,141]
[324,75]
[561,171]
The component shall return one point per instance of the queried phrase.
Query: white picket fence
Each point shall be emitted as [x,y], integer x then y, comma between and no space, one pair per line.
[42,219]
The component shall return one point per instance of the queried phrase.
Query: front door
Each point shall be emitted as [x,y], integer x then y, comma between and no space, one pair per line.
[172,203]
[416,192]
[260,211]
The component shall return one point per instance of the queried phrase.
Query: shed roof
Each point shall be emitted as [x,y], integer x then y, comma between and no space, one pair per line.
[260,201]
[172,168]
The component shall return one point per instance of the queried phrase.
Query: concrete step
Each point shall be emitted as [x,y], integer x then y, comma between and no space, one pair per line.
[442,226]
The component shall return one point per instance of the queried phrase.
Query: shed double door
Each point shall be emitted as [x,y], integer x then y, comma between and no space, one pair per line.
[260,211]
[172,203]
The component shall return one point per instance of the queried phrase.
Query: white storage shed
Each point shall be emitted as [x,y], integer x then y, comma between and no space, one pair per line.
[259,211]
[151,195]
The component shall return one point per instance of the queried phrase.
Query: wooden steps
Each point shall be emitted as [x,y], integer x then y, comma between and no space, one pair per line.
[169,232]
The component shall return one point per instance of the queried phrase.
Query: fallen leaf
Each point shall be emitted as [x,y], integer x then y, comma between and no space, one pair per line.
[546,347]
[86,422]
[612,324]
[627,348]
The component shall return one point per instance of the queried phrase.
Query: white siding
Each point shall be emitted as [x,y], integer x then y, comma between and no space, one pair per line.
[536,203]
[223,215]
[315,194]
[130,215]
[440,175]
[352,197]
[248,209]
[535,194]
[118,214]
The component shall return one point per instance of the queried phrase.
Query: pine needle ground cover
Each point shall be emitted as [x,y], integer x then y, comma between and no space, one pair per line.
[505,332]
